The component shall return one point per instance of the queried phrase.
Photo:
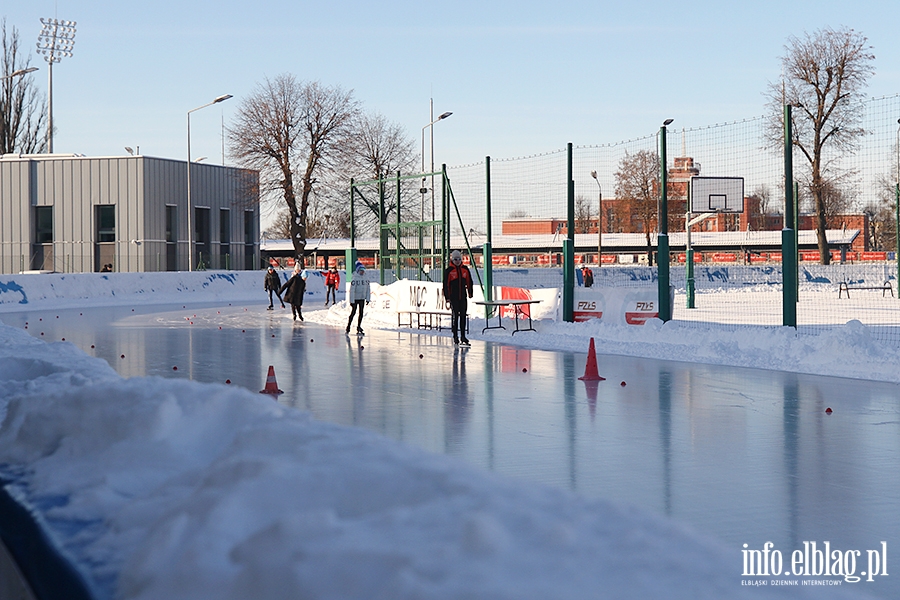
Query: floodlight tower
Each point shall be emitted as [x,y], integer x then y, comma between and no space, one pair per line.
[55,42]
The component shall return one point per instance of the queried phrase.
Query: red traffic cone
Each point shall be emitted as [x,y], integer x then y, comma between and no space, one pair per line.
[590,368]
[271,384]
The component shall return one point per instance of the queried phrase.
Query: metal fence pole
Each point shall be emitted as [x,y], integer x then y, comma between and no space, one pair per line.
[788,240]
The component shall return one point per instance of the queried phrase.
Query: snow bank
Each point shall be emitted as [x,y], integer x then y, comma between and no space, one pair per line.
[58,290]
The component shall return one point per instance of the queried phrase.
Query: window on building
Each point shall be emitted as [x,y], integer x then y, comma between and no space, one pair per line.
[171,230]
[248,227]
[224,227]
[106,223]
[43,224]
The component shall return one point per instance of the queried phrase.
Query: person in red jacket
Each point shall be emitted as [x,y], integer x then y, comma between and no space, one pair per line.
[457,290]
[332,281]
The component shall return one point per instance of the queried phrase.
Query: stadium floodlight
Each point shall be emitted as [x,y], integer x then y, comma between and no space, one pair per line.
[55,42]
[190,207]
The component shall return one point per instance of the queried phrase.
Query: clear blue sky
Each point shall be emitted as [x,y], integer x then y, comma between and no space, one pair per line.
[520,77]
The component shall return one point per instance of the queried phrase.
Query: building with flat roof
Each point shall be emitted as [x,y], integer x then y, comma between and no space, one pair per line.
[71,213]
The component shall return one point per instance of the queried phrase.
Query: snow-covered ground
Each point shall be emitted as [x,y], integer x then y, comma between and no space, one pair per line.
[157,488]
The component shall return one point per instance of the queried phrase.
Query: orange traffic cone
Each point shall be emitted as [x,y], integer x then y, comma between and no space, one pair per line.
[590,368]
[271,384]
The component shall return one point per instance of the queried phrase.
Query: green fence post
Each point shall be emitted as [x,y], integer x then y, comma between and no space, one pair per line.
[662,239]
[569,245]
[487,253]
[789,272]
[897,233]
[349,261]
[568,281]
[397,265]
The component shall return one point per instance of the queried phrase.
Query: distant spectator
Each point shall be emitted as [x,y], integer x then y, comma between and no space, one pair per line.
[272,284]
[332,281]
[106,268]
[588,276]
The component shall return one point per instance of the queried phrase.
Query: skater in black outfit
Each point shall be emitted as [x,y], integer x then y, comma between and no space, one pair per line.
[272,284]
[457,290]
[293,290]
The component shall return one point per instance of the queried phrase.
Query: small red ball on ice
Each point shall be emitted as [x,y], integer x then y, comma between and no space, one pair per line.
[174,368]
[828,411]
[123,356]
[227,381]
[622,384]
[524,370]
[421,356]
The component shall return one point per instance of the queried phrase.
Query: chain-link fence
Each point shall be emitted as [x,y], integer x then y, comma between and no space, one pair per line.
[521,205]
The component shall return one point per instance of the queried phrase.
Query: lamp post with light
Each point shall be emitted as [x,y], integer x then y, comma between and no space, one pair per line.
[430,125]
[190,208]
[19,73]
[599,219]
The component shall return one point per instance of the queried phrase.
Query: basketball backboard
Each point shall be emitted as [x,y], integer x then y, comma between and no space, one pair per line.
[717,194]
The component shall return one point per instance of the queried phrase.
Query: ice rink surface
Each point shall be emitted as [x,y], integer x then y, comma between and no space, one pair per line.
[747,456]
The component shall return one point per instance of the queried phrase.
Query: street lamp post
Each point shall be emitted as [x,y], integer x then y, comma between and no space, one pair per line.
[190,208]
[431,125]
[19,73]
[55,42]
[599,220]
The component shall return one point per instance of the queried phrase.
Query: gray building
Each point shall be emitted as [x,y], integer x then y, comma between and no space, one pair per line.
[70,213]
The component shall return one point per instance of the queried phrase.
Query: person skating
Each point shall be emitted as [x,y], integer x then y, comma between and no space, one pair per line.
[359,297]
[457,290]
[272,284]
[332,281]
[293,290]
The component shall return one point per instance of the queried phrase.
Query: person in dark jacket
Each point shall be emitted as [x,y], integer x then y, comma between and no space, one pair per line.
[587,275]
[457,290]
[293,290]
[272,284]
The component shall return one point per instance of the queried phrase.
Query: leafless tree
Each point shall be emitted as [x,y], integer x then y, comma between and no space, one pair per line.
[637,185]
[824,75]
[292,132]
[22,114]
[582,214]
[378,150]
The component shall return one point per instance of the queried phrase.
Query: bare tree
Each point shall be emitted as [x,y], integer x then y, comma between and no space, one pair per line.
[22,114]
[582,214]
[291,132]
[637,185]
[825,74]
[379,150]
